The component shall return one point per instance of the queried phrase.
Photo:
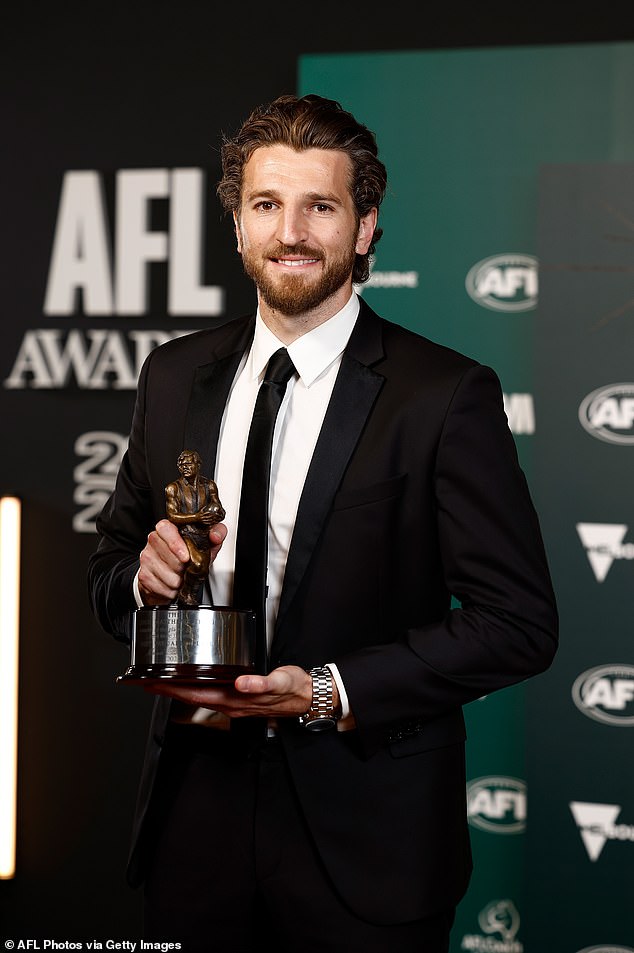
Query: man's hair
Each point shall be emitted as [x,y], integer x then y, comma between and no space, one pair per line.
[309,122]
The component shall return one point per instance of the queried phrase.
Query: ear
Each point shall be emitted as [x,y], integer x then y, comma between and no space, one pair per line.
[236,225]
[366,230]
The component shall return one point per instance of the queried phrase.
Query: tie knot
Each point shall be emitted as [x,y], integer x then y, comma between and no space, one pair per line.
[280,368]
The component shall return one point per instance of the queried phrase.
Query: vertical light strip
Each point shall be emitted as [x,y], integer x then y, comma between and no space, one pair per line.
[9,655]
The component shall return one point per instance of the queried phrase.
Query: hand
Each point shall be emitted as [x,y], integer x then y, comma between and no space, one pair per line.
[163,561]
[283,693]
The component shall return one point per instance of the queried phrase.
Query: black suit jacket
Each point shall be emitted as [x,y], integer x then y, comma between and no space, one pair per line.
[414,496]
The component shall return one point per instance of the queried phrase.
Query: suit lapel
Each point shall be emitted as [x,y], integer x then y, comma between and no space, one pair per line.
[355,391]
[208,397]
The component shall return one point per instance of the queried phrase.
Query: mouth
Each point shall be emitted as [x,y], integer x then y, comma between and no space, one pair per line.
[295,262]
[294,257]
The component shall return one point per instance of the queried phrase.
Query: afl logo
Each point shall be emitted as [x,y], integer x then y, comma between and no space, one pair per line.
[504,282]
[497,804]
[606,694]
[608,413]
[607,949]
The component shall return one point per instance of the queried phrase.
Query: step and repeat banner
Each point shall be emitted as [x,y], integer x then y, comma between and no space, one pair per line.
[509,235]
[581,843]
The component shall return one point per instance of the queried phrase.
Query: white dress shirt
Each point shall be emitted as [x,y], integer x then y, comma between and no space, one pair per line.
[317,357]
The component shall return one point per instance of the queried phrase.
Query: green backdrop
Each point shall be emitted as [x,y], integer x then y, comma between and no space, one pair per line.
[466,136]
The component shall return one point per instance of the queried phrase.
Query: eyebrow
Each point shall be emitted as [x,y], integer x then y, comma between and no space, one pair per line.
[324,197]
[273,195]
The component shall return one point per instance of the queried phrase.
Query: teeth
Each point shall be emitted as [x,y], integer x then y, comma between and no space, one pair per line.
[293,262]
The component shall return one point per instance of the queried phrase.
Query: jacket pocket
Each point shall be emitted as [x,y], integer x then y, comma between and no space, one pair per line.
[385,490]
[416,737]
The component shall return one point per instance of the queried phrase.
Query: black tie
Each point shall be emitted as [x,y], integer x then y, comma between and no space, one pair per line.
[249,587]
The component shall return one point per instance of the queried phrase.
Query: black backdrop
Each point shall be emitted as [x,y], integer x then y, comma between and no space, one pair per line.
[103,87]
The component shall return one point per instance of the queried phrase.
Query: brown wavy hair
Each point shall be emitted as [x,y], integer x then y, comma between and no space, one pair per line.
[309,122]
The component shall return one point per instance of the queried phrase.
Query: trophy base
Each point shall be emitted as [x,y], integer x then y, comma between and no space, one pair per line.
[184,674]
[190,645]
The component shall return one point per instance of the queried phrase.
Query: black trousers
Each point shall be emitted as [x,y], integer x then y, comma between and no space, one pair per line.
[233,867]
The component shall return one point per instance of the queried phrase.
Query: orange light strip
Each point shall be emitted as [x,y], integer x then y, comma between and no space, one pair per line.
[10,512]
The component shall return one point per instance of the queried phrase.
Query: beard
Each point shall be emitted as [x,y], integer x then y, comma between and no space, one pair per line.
[290,294]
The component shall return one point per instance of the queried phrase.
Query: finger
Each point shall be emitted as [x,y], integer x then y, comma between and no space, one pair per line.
[217,536]
[253,684]
[160,569]
[216,699]
[154,592]
[169,535]
[278,682]
[158,558]
[157,577]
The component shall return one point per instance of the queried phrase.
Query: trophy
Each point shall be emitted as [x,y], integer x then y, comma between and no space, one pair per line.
[187,641]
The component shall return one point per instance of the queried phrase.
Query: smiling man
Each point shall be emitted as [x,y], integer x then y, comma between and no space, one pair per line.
[320,804]
[298,234]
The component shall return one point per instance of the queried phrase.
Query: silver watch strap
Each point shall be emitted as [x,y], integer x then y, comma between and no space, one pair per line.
[321,714]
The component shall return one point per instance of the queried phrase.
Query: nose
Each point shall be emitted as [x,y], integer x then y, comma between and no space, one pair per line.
[292,226]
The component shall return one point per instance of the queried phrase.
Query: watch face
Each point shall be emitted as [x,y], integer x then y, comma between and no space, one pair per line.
[320,724]
[321,714]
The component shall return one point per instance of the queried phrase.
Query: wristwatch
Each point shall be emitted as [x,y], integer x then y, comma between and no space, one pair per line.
[321,714]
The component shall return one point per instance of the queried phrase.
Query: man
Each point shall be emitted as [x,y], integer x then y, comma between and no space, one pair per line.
[192,504]
[394,486]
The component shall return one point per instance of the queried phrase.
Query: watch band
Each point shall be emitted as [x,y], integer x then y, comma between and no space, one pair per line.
[321,714]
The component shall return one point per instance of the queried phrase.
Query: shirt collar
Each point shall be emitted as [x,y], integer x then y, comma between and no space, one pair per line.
[313,352]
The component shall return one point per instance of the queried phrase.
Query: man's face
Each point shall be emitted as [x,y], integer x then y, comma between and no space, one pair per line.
[297,228]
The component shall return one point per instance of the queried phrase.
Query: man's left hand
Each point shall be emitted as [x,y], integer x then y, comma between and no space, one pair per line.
[284,692]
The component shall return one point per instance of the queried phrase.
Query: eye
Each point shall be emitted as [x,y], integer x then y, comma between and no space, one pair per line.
[322,208]
[264,206]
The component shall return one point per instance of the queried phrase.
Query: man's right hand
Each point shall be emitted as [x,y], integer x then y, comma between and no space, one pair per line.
[163,561]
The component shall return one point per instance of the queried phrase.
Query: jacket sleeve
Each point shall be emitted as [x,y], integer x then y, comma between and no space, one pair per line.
[503,625]
[122,528]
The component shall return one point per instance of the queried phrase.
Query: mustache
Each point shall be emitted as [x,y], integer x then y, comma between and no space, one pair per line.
[280,251]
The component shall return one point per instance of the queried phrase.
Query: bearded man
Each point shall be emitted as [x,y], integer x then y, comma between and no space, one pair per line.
[393,486]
